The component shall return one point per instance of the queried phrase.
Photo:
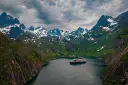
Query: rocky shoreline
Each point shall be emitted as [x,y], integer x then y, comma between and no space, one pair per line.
[35,76]
[21,71]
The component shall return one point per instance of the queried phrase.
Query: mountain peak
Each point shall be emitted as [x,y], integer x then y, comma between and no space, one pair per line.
[22,26]
[55,32]
[7,20]
[4,14]
[16,21]
[80,29]
[103,18]
[31,28]
[102,22]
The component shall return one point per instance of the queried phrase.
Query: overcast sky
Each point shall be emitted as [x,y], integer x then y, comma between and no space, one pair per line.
[64,14]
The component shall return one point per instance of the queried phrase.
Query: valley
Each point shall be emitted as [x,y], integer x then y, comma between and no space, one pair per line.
[24,50]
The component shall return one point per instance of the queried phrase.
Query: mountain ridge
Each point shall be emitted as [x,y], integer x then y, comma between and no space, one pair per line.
[8,23]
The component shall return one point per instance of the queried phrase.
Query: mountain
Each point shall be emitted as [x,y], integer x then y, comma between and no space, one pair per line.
[109,40]
[122,19]
[109,23]
[118,60]
[105,23]
[57,33]
[79,32]
[7,20]
[31,28]
[38,32]
[14,29]
[11,26]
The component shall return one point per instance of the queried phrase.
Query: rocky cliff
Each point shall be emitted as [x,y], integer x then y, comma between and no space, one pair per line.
[21,70]
[18,62]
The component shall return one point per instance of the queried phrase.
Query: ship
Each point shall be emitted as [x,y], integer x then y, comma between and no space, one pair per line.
[77,61]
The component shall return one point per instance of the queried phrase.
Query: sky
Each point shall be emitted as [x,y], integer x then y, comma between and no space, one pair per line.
[63,14]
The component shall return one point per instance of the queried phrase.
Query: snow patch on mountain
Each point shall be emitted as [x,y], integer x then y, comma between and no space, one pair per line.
[54,32]
[6,30]
[91,38]
[101,48]
[112,22]
[40,32]
[95,42]
[106,28]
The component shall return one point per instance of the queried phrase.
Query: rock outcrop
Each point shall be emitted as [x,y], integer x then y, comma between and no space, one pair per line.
[21,70]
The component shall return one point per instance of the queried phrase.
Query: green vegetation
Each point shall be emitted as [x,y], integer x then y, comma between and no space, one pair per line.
[16,55]
[113,76]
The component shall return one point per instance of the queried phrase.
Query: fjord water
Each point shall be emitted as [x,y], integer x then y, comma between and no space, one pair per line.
[60,72]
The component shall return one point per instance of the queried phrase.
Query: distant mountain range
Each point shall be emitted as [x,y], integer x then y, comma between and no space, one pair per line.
[42,32]
[14,29]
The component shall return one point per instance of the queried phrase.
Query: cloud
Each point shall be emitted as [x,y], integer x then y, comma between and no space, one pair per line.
[112,7]
[64,14]
[10,6]
[42,12]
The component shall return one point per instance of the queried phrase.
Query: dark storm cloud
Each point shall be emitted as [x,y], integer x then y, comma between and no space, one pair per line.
[14,10]
[42,13]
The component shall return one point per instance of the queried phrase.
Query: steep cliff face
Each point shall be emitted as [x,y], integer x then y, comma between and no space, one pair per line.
[21,70]
[117,69]
[18,62]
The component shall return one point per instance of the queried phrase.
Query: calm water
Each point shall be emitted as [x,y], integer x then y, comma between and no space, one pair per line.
[60,72]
